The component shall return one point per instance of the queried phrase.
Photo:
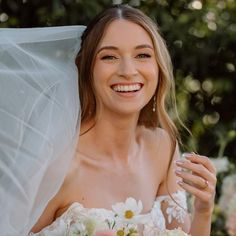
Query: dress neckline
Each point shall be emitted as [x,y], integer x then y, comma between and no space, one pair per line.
[75,204]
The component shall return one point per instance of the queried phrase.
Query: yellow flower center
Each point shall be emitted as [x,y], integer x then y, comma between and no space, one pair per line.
[120,232]
[129,214]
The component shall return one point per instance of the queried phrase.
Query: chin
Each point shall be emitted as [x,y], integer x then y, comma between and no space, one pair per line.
[129,111]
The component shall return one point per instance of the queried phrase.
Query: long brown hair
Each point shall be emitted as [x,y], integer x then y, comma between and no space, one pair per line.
[164,98]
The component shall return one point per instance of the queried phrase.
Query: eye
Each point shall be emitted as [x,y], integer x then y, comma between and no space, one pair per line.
[143,55]
[108,57]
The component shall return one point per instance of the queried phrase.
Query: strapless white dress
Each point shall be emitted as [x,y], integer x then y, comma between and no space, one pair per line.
[78,220]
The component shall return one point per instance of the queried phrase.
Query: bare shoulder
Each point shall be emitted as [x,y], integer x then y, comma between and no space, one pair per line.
[156,137]
[47,216]
[157,143]
[57,202]
[157,146]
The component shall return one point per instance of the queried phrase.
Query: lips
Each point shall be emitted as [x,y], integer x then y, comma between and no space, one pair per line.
[127,88]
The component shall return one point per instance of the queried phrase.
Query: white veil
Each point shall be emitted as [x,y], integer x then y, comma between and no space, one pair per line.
[39,120]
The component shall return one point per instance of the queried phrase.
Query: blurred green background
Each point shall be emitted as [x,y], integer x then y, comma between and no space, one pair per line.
[201,37]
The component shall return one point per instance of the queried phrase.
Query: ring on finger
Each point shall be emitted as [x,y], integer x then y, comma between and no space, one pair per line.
[206,184]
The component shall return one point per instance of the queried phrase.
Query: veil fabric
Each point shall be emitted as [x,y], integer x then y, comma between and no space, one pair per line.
[39,120]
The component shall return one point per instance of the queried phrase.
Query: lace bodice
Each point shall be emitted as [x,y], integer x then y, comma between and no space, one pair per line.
[81,221]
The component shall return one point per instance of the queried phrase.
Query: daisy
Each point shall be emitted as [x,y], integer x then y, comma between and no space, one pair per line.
[128,210]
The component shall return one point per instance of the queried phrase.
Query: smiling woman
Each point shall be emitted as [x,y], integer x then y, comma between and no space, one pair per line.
[126,177]
[125,72]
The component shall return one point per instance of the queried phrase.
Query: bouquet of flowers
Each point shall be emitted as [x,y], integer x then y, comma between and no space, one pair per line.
[83,231]
[173,232]
[125,220]
[89,230]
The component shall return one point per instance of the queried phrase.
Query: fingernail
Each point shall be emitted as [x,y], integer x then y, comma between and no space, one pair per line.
[179,162]
[180,183]
[188,154]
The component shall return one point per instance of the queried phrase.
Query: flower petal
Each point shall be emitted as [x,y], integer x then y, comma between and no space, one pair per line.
[119,208]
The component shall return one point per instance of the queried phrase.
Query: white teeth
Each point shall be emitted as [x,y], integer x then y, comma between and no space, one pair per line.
[126,88]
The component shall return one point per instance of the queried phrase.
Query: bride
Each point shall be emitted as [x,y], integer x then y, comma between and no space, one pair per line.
[126,174]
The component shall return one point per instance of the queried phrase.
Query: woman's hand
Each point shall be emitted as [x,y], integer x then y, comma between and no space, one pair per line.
[200,181]
[231,225]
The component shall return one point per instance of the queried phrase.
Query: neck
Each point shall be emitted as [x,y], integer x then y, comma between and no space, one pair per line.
[115,136]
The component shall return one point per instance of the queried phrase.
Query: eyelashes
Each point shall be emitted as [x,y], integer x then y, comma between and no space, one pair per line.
[108,57]
[140,56]
[144,55]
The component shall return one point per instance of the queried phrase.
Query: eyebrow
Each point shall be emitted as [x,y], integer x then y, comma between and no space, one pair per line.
[115,48]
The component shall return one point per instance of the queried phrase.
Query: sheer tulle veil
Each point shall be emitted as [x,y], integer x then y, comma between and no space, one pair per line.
[39,120]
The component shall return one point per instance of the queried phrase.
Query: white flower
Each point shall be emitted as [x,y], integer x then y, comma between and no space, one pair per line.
[77,229]
[231,206]
[126,231]
[89,225]
[153,231]
[129,210]
[221,164]
[227,192]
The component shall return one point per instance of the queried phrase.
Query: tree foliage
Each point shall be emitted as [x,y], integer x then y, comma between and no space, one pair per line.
[201,37]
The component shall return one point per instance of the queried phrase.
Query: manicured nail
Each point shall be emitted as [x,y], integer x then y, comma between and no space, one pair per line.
[188,154]
[178,172]
[180,183]
[179,162]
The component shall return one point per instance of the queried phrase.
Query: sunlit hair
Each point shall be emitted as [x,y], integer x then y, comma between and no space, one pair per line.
[164,95]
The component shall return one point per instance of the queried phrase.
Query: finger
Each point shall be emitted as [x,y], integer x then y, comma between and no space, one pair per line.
[192,179]
[205,161]
[199,169]
[202,195]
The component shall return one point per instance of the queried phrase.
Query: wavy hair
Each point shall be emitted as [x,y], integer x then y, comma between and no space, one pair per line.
[164,97]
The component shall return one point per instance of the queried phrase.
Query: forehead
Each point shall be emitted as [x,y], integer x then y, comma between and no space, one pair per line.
[121,32]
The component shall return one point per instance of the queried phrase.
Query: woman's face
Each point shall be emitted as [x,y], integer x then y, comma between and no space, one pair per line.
[125,71]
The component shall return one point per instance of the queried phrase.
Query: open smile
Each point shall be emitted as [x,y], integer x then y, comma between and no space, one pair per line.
[127,88]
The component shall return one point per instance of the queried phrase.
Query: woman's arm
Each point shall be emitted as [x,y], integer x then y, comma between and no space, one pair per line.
[174,202]
[201,183]
[48,215]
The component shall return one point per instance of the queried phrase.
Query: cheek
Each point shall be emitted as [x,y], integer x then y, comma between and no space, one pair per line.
[97,77]
[96,72]
[100,79]
[102,72]
[152,73]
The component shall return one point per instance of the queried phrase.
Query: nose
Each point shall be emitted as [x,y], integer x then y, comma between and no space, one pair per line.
[127,68]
